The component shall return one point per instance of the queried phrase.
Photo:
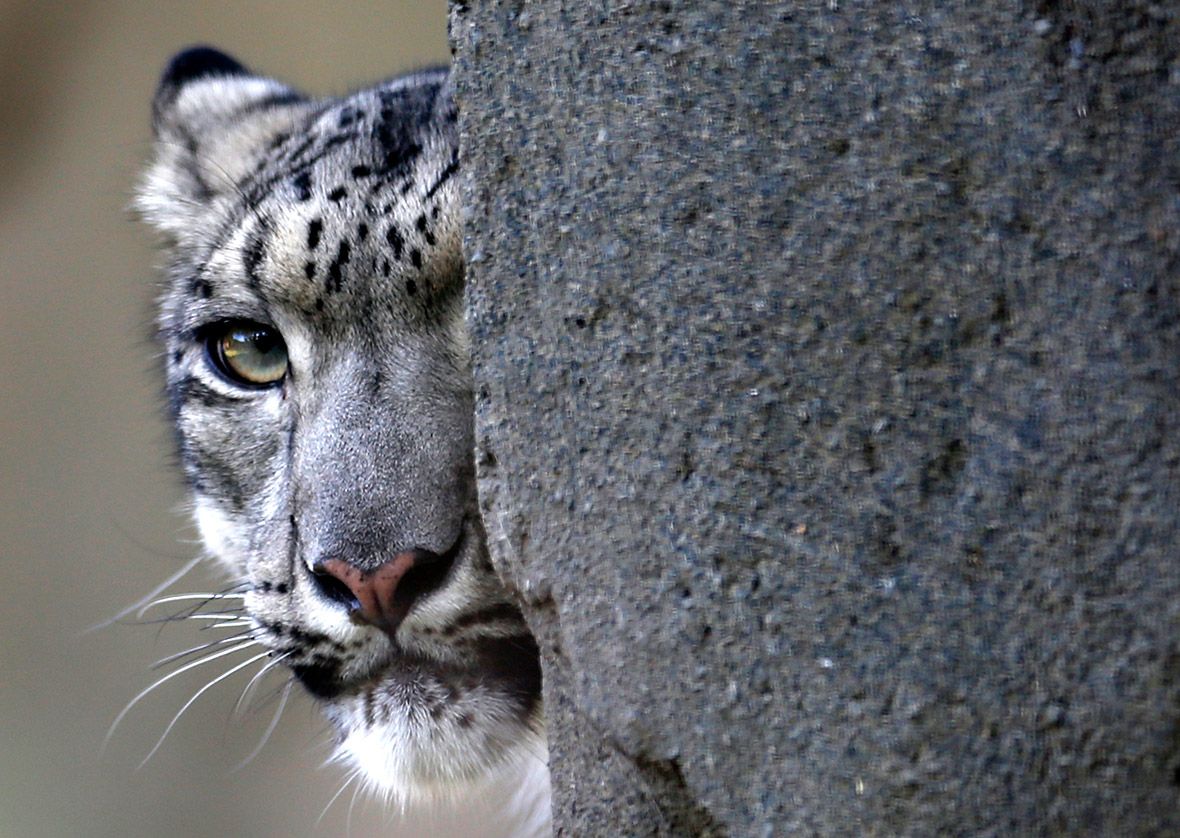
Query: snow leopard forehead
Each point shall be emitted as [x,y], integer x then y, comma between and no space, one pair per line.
[281,207]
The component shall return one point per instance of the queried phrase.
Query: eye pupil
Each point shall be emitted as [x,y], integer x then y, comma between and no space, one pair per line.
[249,354]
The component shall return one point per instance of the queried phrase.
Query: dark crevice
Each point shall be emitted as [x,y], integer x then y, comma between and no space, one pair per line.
[678,806]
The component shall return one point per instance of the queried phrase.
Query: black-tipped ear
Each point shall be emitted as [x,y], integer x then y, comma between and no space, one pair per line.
[213,120]
[198,62]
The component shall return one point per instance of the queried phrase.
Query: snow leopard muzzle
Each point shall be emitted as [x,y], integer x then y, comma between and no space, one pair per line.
[382,597]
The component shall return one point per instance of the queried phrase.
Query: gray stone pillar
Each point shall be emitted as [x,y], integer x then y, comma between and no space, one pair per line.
[828,422]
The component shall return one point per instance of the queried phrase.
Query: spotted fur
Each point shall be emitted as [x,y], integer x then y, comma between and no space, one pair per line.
[335,223]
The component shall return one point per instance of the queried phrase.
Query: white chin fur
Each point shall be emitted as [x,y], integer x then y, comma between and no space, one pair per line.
[409,756]
[508,800]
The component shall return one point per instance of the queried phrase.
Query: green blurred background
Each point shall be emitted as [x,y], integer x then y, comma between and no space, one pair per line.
[91,513]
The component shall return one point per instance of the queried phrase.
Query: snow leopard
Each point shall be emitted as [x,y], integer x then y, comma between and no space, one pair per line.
[317,372]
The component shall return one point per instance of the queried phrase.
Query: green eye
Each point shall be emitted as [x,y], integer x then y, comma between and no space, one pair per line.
[248,354]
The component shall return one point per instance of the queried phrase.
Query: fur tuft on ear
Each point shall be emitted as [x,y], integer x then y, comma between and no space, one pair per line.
[213,119]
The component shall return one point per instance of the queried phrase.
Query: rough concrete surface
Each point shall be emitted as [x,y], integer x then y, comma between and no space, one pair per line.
[828,422]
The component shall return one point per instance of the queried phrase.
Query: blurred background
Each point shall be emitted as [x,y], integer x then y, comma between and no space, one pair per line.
[91,515]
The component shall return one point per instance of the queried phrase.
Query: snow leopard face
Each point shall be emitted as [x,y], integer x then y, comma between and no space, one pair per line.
[318,376]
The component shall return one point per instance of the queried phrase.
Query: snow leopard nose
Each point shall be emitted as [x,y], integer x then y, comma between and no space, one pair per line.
[383,596]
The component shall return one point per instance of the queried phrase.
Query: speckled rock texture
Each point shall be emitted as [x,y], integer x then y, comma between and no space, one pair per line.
[827,358]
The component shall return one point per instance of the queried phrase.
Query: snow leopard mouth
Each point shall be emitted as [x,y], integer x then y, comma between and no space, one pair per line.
[503,651]
[511,664]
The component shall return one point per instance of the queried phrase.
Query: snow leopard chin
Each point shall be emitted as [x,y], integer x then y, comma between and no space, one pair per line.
[516,788]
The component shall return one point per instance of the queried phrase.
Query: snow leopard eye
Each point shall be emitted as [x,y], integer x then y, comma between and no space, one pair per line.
[248,354]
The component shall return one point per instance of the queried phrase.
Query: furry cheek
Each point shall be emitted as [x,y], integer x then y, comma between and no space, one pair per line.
[223,538]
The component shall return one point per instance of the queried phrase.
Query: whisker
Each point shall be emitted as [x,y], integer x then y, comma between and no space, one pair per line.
[229,624]
[191,614]
[257,676]
[205,597]
[197,695]
[270,729]
[169,677]
[233,638]
[351,806]
[348,781]
[192,610]
[142,603]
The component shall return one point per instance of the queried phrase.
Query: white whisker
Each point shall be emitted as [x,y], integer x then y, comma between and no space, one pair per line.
[236,638]
[191,614]
[351,806]
[269,666]
[348,781]
[238,623]
[183,598]
[197,695]
[270,729]
[141,604]
[169,677]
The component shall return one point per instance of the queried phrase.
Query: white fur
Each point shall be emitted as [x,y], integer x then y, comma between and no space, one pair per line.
[511,800]
[224,541]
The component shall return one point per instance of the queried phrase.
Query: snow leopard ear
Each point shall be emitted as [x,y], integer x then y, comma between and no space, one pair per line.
[213,120]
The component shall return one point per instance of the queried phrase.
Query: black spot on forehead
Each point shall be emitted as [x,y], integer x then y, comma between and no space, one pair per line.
[201,287]
[445,175]
[349,115]
[254,251]
[336,269]
[297,150]
[396,241]
[424,230]
[302,184]
[396,133]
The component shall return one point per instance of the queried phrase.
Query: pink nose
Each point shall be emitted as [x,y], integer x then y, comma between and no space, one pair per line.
[376,591]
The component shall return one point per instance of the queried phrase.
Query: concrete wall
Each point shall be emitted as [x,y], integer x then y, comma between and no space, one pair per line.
[828,418]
